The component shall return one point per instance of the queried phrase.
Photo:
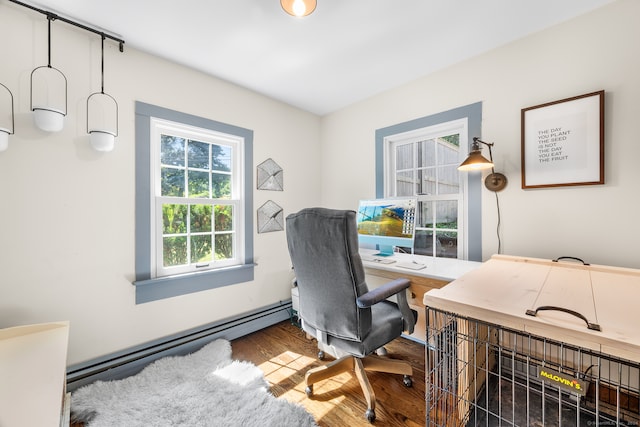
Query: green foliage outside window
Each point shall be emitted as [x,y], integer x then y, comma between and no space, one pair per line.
[452,139]
[174,251]
[207,243]
[174,218]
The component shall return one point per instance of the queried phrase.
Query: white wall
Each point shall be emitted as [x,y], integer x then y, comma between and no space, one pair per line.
[67,212]
[589,53]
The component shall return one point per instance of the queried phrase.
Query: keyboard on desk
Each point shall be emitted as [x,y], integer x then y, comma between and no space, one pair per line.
[411,265]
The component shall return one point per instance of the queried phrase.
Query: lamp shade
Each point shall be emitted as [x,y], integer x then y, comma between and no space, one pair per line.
[102,140]
[298,8]
[475,161]
[48,120]
[4,139]
[5,131]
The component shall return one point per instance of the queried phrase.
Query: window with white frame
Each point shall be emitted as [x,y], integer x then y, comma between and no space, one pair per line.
[198,198]
[424,163]
[194,198]
[420,158]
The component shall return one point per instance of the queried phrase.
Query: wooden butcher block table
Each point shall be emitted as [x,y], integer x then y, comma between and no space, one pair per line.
[601,304]
[525,341]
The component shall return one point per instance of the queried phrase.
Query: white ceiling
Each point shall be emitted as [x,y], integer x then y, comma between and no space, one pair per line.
[346,51]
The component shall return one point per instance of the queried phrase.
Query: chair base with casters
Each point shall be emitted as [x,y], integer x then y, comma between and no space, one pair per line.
[368,355]
[359,366]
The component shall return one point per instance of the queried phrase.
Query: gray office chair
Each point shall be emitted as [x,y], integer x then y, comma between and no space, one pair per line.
[336,306]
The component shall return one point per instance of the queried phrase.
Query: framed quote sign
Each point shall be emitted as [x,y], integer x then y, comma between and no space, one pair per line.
[563,142]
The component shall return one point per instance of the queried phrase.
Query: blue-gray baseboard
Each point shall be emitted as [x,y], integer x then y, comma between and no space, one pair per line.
[132,360]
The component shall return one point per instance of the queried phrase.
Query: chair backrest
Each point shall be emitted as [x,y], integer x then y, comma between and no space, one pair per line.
[323,245]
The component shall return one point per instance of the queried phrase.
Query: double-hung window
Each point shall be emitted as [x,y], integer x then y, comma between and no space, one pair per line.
[423,163]
[194,228]
[420,158]
[198,198]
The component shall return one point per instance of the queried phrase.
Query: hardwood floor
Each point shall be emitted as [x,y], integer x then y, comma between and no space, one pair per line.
[285,354]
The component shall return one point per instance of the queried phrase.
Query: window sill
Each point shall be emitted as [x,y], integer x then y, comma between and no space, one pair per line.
[149,290]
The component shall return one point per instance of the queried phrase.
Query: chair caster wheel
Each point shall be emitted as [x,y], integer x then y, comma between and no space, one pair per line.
[309,390]
[321,355]
[371,415]
[407,381]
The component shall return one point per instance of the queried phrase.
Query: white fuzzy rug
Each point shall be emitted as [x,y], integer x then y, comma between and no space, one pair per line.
[205,388]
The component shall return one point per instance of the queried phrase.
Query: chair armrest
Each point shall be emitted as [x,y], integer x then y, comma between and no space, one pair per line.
[408,315]
[396,287]
[385,291]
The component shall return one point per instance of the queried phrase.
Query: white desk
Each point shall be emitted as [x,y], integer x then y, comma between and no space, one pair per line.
[437,273]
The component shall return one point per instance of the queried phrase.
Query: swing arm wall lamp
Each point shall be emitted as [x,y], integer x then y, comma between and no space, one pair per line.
[495,181]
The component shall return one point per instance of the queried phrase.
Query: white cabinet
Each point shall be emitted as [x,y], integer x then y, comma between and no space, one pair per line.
[33,365]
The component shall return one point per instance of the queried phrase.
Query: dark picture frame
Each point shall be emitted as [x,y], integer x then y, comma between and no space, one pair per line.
[563,142]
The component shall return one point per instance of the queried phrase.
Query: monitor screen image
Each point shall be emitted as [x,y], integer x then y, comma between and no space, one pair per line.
[387,223]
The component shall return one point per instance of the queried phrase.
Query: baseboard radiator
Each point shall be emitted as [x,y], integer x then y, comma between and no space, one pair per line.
[131,361]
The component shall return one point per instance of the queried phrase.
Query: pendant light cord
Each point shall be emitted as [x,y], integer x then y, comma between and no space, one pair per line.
[49,19]
[102,67]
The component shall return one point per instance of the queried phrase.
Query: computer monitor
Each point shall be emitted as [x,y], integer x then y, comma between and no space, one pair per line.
[387,223]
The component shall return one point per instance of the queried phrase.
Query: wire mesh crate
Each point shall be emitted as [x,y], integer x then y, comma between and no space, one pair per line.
[484,374]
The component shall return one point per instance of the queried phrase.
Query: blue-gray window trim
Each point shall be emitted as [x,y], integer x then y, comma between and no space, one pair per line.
[151,289]
[473,114]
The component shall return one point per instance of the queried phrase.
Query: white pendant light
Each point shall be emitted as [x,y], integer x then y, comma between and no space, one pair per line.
[102,135]
[49,113]
[5,131]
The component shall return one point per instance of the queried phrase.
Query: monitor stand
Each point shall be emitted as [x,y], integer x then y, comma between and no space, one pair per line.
[385,250]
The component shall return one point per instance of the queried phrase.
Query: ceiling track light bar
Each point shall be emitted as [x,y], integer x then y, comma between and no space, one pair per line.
[53,16]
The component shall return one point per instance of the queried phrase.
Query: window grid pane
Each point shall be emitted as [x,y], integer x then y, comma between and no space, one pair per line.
[172,182]
[221,186]
[174,219]
[221,158]
[404,157]
[171,150]
[426,153]
[200,218]
[198,155]
[174,251]
[200,248]
[448,179]
[199,184]
[428,181]
[446,214]
[449,149]
[406,184]
[223,218]
[446,244]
